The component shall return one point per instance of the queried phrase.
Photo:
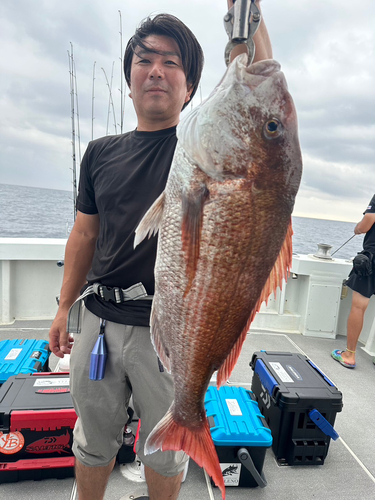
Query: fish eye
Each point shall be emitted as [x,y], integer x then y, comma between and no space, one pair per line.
[272,128]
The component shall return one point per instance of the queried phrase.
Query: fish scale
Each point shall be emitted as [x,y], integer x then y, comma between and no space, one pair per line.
[225,241]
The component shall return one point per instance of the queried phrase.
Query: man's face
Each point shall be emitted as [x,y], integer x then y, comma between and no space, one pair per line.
[157,82]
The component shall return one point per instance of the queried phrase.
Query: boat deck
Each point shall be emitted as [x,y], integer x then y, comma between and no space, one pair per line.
[348,471]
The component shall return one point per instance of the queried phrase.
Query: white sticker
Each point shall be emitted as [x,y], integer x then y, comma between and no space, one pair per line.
[13,354]
[281,372]
[49,382]
[234,407]
[231,474]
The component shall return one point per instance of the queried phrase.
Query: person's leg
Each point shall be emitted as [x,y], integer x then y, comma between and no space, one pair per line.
[354,326]
[161,487]
[100,406]
[92,481]
[152,390]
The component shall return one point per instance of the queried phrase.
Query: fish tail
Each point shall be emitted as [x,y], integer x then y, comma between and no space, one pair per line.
[197,443]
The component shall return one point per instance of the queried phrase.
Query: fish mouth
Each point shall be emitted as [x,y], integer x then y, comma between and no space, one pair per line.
[263,77]
[267,67]
[256,73]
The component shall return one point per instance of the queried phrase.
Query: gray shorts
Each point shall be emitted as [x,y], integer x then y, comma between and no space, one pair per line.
[132,369]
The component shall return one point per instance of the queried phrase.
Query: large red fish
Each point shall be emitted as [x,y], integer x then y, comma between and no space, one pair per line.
[225,241]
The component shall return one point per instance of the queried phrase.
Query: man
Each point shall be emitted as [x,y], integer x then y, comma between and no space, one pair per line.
[120,178]
[362,281]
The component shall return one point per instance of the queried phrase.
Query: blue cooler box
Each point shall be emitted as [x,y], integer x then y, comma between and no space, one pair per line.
[240,434]
[22,356]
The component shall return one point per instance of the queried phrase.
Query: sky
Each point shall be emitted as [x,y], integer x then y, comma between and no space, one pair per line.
[326,49]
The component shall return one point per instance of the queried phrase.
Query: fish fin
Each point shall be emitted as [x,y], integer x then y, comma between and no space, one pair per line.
[150,222]
[279,271]
[192,210]
[157,341]
[230,361]
[197,443]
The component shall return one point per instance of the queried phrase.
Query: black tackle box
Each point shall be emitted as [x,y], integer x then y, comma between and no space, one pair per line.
[36,427]
[37,419]
[299,403]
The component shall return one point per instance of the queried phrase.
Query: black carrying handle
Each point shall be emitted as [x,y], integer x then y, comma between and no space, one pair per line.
[246,460]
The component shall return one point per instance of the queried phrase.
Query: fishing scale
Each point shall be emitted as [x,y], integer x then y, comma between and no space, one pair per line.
[241,23]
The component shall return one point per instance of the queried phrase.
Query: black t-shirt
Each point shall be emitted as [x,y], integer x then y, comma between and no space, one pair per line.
[369,240]
[121,176]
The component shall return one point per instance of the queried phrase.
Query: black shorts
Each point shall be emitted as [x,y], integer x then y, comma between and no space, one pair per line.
[365,285]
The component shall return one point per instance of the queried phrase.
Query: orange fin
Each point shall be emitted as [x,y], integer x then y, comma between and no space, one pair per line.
[151,221]
[192,210]
[279,271]
[230,362]
[197,443]
[157,341]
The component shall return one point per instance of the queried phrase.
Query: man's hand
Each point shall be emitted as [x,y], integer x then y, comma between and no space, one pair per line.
[77,262]
[60,342]
[263,48]
[365,224]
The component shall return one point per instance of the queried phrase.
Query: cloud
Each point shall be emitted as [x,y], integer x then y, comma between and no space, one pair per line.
[326,51]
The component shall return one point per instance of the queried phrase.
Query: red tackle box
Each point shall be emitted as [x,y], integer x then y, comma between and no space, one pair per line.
[36,427]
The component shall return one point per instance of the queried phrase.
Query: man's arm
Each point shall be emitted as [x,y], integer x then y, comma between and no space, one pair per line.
[365,224]
[79,253]
[263,47]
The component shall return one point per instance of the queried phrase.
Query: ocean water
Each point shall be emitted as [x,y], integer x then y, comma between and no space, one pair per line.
[27,212]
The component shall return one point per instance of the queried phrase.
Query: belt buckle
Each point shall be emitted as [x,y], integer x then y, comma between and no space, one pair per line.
[111,294]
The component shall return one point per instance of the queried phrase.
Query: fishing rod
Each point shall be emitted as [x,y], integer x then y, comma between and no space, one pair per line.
[110,103]
[122,94]
[70,56]
[92,101]
[77,115]
[343,245]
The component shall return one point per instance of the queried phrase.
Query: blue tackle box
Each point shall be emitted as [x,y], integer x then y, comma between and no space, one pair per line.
[299,403]
[22,356]
[240,434]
